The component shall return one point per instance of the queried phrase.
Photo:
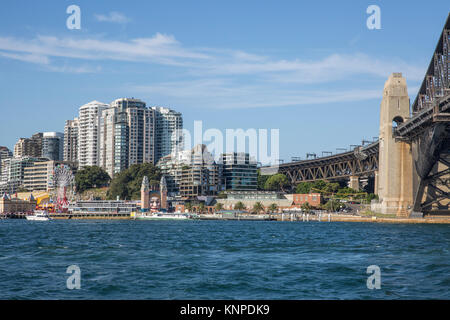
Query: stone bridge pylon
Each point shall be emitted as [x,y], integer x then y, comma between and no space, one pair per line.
[394,183]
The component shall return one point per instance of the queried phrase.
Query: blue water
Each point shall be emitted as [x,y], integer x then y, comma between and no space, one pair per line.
[222,260]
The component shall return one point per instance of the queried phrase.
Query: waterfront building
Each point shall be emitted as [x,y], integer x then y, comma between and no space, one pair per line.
[171,168]
[249,198]
[52,146]
[200,176]
[88,133]
[239,171]
[29,147]
[191,173]
[116,207]
[15,205]
[168,132]
[40,176]
[70,148]
[313,199]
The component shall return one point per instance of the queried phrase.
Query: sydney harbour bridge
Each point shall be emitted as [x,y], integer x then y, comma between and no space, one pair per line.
[410,162]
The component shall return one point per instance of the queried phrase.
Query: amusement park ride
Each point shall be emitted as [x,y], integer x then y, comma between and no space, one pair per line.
[58,200]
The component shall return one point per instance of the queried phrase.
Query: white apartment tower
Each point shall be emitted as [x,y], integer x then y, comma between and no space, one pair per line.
[168,135]
[88,133]
[70,151]
[127,131]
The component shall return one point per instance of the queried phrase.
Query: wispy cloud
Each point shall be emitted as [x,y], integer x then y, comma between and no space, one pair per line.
[115,17]
[238,78]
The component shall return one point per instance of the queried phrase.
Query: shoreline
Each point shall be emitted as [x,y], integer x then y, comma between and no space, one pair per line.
[278,217]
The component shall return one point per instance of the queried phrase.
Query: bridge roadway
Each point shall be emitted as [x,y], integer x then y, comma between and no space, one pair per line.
[362,161]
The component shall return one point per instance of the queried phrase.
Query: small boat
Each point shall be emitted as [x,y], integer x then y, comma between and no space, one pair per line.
[39,216]
[162,216]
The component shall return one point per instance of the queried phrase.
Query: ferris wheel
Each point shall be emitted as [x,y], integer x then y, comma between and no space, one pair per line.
[63,180]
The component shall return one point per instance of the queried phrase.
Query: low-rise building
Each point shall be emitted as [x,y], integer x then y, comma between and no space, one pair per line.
[15,205]
[249,198]
[314,199]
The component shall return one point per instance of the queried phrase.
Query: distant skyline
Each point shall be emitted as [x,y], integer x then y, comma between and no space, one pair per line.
[313,70]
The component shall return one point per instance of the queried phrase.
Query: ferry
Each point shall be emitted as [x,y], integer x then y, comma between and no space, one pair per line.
[39,216]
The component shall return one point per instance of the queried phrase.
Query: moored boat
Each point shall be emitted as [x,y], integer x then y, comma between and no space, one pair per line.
[39,216]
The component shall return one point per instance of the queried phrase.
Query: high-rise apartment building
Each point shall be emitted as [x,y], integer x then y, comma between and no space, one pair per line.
[127,131]
[88,133]
[52,145]
[70,152]
[168,134]
[5,153]
[29,147]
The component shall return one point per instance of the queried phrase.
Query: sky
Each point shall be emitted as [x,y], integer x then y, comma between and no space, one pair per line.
[313,70]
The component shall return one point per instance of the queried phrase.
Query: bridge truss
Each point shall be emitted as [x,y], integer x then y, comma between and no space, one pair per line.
[428,132]
[362,161]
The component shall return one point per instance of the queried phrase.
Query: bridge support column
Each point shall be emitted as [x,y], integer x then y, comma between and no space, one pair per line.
[354,183]
[395,158]
[375,187]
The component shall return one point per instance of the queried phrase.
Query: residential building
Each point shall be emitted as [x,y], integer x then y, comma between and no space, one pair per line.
[127,131]
[70,149]
[52,146]
[239,171]
[191,173]
[29,147]
[168,133]
[134,130]
[88,133]
[5,153]
[201,175]
[40,176]
[13,172]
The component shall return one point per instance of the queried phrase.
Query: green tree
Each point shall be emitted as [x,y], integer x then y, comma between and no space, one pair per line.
[188,206]
[306,207]
[91,177]
[201,207]
[277,182]
[303,187]
[258,207]
[331,187]
[273,207]
[261,180]
[319,186]
[219,206]
[127,184]
[239,206]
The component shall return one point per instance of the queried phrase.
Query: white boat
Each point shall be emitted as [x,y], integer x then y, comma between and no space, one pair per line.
[162,216]
[39,216]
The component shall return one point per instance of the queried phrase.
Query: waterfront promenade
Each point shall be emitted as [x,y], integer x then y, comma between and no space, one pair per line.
[295,217]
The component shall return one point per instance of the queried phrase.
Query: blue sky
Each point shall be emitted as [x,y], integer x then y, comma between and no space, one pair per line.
[311,69]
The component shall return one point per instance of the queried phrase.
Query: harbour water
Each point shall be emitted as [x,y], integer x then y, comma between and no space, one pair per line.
[125,259]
